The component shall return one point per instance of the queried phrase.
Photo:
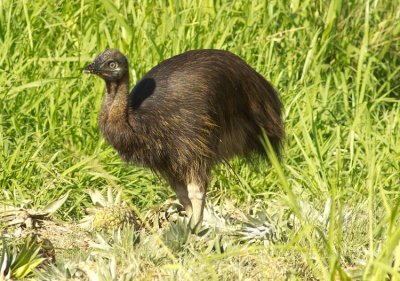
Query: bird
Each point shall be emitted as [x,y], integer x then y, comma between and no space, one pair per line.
[187,114]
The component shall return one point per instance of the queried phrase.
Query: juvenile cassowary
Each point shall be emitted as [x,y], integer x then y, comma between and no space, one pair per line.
[187,113]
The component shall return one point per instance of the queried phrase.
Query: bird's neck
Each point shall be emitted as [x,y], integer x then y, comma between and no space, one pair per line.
[114,119]
[116,101]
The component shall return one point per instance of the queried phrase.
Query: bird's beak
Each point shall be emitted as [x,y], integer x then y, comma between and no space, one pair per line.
[89,69]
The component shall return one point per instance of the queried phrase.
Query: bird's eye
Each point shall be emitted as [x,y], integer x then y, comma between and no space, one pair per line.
[112,64]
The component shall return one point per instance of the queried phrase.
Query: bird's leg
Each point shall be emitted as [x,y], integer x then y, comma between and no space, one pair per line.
[182,194]
[197,196]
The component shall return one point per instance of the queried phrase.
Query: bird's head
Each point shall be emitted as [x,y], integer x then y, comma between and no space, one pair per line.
[111,65]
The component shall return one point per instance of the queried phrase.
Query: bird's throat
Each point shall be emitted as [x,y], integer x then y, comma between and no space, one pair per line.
[113,120]
[116,89]
[115,105]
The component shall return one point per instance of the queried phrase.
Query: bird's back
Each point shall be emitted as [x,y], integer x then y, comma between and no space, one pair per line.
[206,103]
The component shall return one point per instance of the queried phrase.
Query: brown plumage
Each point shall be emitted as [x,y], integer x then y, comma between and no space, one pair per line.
[186,114]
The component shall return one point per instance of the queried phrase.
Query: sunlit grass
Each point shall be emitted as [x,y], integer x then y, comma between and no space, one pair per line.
[336,64]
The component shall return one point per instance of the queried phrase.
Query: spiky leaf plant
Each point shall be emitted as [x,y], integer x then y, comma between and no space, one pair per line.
[165,213]
[67,270]
[124,251]
[19,262]
[177,235]
[258,228]
[105,269]
[108,213]
[22,217]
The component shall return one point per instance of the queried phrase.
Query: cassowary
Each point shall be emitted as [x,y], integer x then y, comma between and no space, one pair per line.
[186,114]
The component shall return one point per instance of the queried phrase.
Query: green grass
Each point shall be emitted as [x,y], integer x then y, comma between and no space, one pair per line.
[337,67]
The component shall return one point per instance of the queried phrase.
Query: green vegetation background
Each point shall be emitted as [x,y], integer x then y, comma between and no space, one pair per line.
[337,67]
